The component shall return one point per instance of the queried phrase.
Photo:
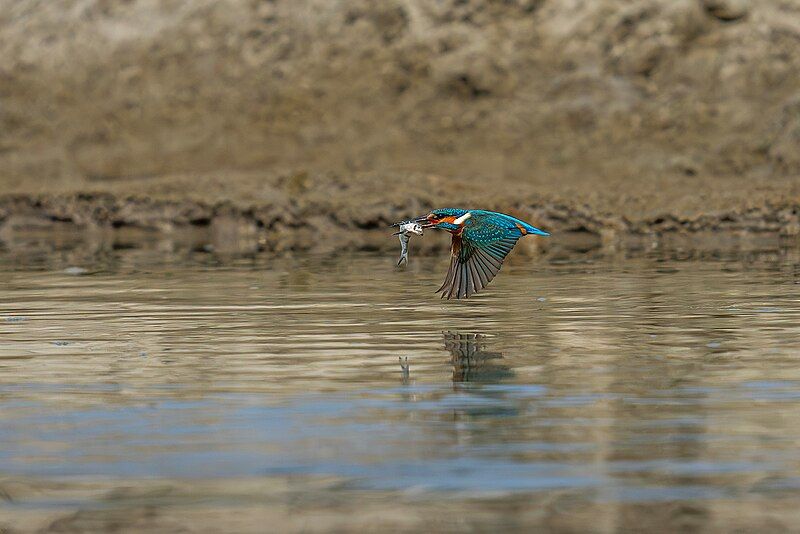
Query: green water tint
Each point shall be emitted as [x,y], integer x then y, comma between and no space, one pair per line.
[599,394]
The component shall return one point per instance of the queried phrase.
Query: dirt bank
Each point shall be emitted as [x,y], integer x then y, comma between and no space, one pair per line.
[295,118]
[327,212]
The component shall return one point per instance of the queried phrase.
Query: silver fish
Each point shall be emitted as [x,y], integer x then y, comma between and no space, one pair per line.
[406,229]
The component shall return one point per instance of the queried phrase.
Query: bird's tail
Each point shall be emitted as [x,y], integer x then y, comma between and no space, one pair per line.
[535,231]
[532,230]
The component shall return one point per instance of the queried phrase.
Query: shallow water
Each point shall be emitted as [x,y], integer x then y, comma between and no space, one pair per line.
[151,391]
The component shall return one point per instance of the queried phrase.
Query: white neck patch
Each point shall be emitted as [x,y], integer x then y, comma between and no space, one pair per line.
[463,218]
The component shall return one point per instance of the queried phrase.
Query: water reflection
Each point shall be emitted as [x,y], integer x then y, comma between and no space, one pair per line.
[405,370]
[597,394]
[471,361]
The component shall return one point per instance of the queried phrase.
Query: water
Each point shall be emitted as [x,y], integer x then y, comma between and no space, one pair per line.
[143,390]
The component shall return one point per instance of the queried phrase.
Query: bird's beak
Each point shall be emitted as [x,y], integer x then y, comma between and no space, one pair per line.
[424,222]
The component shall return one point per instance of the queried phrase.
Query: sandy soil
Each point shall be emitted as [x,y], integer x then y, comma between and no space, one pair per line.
[295,119]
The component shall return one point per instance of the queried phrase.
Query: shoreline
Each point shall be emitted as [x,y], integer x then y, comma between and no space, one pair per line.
[292,227]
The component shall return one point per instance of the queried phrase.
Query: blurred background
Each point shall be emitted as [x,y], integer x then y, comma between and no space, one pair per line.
[301,119]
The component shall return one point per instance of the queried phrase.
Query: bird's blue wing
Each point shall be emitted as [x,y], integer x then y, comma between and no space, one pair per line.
[478,253]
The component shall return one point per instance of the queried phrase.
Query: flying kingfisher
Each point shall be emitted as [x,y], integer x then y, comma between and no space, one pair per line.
[481,241]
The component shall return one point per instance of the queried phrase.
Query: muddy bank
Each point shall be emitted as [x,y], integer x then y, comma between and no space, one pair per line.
[343,226]
[311,125]
[586,100]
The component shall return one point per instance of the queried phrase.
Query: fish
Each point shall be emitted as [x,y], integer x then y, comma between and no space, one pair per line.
[406,229]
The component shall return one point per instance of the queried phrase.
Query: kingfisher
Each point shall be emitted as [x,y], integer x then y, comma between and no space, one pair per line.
[481,240]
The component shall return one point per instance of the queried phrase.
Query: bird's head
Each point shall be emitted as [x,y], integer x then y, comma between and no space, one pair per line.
[444,218]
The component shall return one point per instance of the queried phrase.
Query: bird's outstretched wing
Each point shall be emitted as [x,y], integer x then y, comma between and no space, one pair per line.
[478,253]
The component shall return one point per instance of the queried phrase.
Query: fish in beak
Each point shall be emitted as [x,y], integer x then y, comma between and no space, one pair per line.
[406,229]
[423,221]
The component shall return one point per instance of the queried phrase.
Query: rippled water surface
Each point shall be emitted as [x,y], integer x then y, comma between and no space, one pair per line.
[147,392]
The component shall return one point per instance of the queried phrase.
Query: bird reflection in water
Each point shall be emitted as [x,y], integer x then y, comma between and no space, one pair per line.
[471,361]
